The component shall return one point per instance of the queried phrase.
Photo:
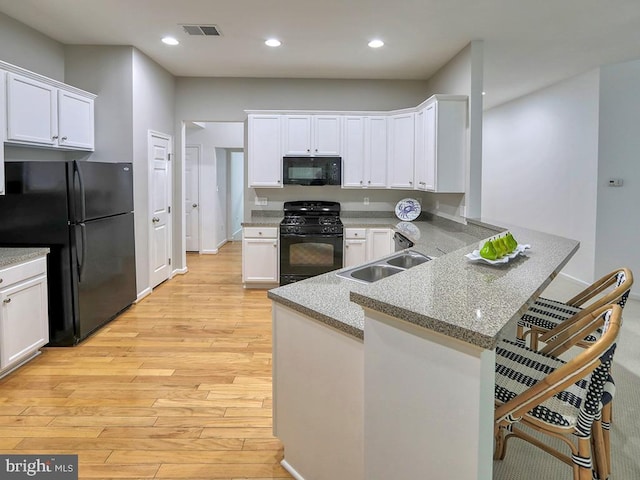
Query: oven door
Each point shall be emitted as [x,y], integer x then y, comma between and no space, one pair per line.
[306,255]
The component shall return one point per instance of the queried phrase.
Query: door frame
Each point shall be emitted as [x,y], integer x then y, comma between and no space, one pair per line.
[198,146]
[169,138]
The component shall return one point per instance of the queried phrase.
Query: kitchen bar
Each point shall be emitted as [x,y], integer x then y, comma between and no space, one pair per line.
[386,378]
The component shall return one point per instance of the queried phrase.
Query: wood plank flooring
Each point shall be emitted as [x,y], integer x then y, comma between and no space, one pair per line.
[177,387]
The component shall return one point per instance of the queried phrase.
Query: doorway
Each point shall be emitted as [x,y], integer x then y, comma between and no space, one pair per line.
[220,181]
[192,197]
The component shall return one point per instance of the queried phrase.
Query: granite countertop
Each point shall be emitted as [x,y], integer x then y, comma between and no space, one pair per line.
[469,301]
[11,256]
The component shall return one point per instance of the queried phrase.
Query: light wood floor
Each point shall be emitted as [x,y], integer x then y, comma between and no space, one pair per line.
[179,386]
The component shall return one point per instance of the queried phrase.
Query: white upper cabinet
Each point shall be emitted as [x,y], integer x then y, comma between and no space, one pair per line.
[312,135]
[46,113]
[75,121]
[265,151]
[364,151]
[422,148]
[32,111]
[400,163]
[441,144]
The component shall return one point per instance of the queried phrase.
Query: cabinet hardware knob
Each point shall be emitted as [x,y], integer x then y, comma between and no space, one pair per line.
[278,181]
[1,280]
[63,138]
[410,182]
[308,150]
[316,149]
[55,137]
[361,182]
[6,300]
[259,233]
[195,205]
[275,245]
[369,182]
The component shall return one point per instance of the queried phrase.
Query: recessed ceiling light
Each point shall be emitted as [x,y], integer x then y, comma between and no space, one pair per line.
[376,43]
[170,41]
[273,42]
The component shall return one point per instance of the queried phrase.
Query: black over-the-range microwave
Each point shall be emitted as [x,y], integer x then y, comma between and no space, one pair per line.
[312,170]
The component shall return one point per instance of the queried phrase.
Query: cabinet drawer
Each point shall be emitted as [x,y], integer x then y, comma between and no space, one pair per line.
[355,233]
[261,232]
[22,271]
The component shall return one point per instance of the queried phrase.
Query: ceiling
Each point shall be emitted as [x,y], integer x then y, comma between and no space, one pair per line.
[527,44]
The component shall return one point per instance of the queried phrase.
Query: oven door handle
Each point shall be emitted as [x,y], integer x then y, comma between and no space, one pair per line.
[306,235]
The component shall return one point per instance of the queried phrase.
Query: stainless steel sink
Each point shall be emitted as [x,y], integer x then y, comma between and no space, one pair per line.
[373,273]
[385,267]
[408,259]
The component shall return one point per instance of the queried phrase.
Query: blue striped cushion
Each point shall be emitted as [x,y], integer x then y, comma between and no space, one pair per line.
[547,314]
[518,368]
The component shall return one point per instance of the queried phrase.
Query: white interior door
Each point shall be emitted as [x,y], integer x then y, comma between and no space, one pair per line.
[160,206]
[192,198]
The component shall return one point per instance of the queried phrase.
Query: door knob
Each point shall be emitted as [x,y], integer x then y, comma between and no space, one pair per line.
[194,205]
[155,219]
[6,300]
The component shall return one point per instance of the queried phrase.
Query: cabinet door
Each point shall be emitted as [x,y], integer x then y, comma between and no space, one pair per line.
[260,260]
[297,134]
[425,157]
[353,149]
[401,150]
[355,252]
[3,129]
[32,111]
[265,151]
[75,121]
[24,325]
[326,135]
[376,141]
[379,242]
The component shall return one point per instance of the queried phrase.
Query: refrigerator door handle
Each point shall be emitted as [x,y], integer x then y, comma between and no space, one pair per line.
[82,262]
[83,203]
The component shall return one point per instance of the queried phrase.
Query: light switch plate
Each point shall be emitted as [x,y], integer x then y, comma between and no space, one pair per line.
[262,201]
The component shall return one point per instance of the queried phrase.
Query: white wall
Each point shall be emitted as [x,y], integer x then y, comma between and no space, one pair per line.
[463,75]
[617,225]
[540,165]
[222,162]
[23,46]
[214,138]
[134,95]
[236,195]
[152,108]
[106,71]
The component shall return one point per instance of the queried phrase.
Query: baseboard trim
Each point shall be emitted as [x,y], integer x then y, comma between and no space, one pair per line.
[209,252]
[145,293]
[291,470]
[179,271]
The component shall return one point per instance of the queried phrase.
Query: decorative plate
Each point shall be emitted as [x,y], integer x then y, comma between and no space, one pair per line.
[475,255]
[410,229]
[408,209]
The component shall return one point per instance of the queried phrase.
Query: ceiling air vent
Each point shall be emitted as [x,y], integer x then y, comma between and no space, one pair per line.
[206,30]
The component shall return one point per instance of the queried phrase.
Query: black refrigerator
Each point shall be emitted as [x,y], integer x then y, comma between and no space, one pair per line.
[82,211]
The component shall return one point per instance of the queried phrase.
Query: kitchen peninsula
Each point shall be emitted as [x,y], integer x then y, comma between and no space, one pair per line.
[394,379]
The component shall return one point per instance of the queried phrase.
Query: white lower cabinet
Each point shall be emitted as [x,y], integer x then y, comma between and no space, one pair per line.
[379,243]
[260,255]
[355,246]
[24,322]
[363,245]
